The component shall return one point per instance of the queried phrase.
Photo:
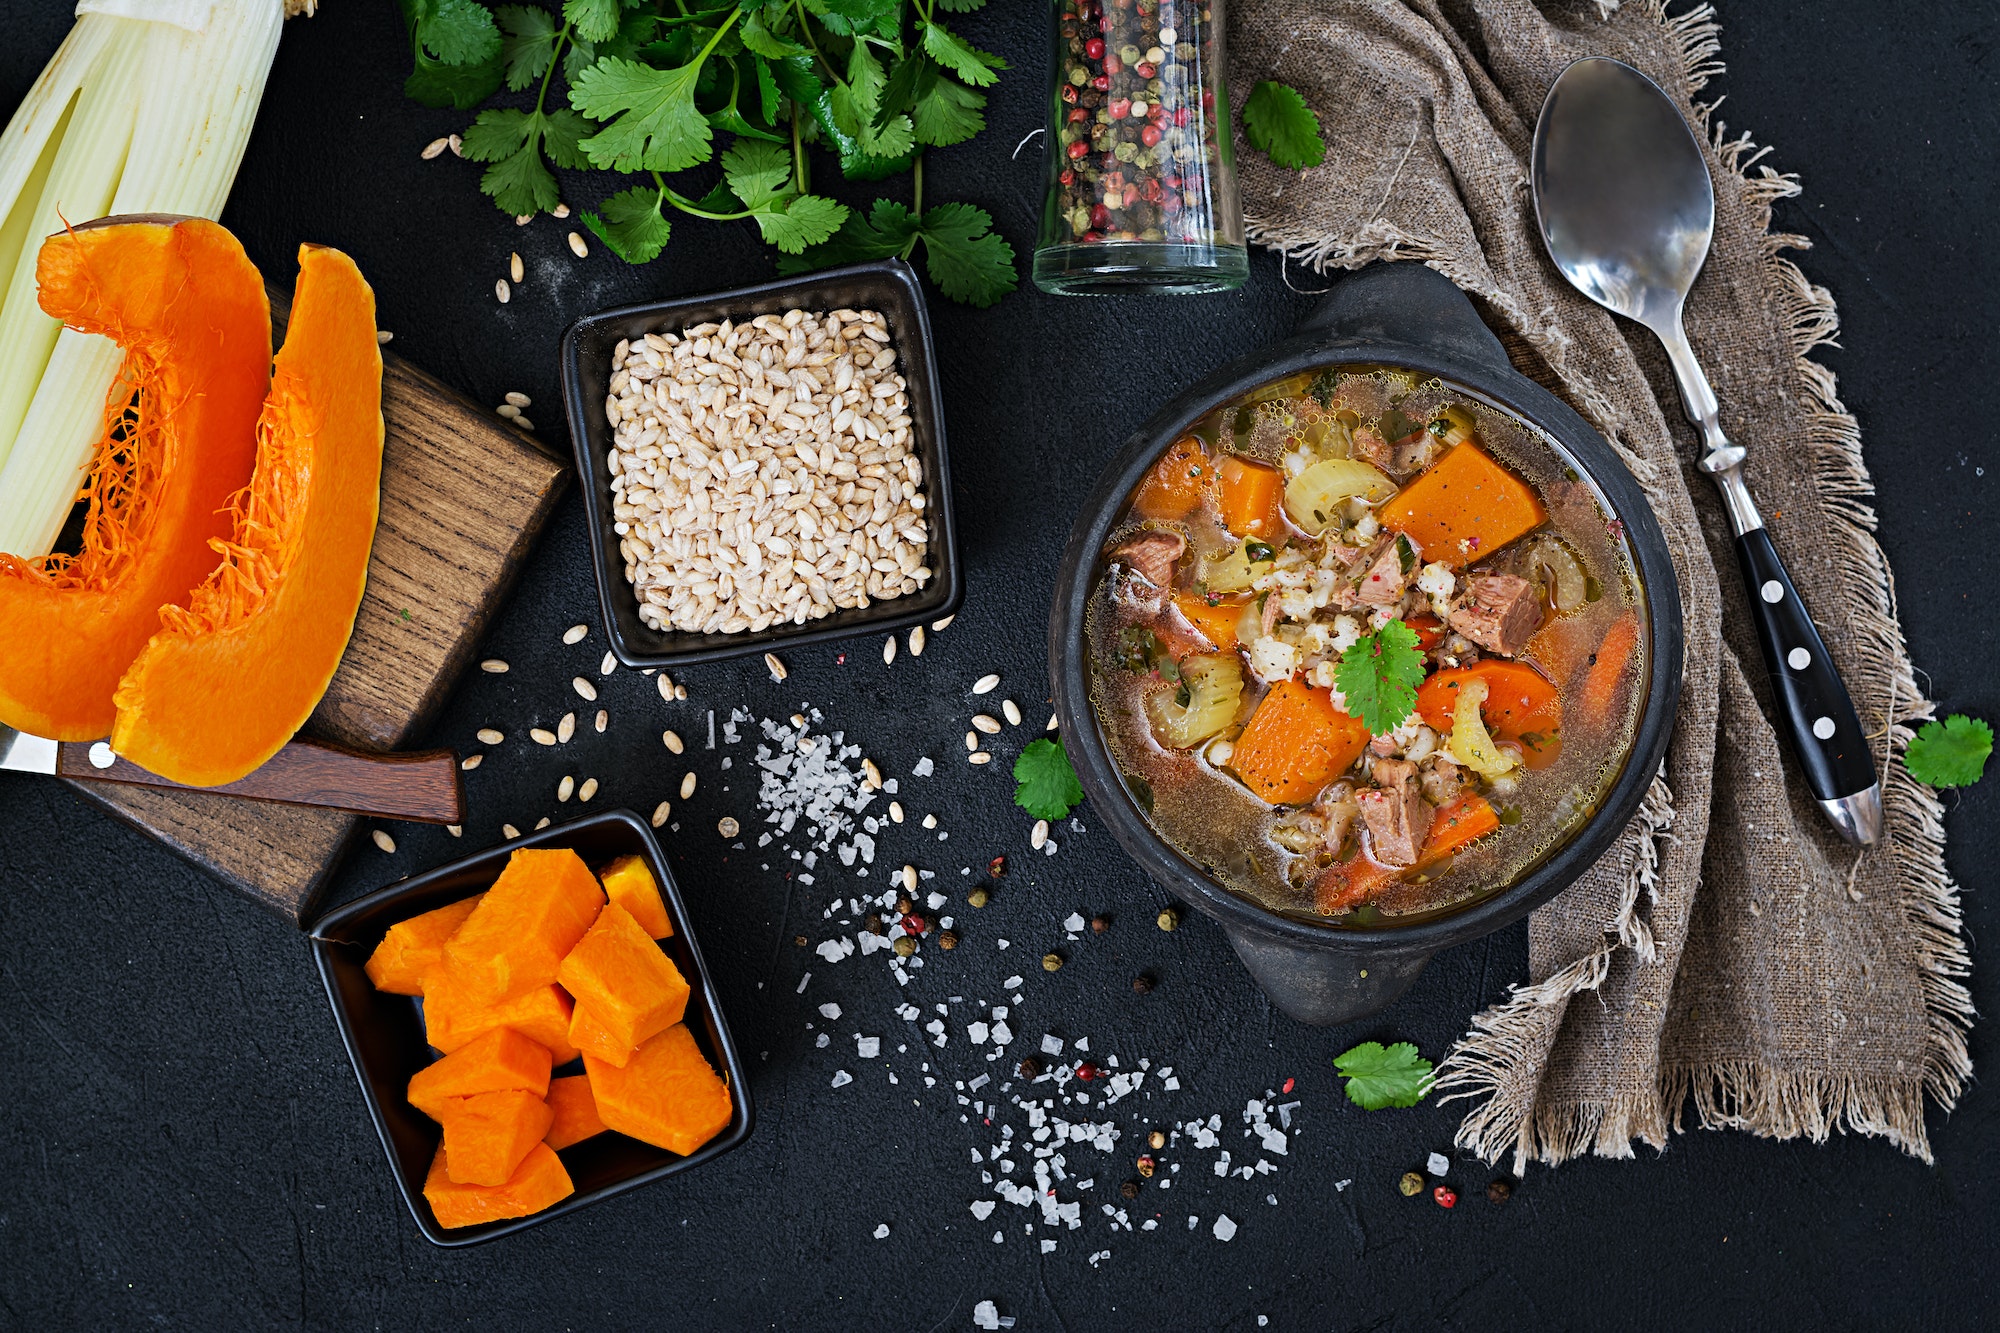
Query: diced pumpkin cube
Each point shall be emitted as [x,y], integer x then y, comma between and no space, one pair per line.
[666,1095]
[414,947]
[487,1135]
[1464,508]
[630,884]
[501,1061]
[1295,743]
[591,1037]
[538,1182]
[532,916]
[633,990]
[452,1017]
[575,1109]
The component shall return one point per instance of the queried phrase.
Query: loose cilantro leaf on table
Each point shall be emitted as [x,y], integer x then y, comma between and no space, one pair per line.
[1277,121]
[1951,753]
[1047,784]
[1379,1076]
[653,87]
[1378,676]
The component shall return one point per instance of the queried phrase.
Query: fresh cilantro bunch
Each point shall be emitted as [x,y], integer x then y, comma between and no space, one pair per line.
[1378,676]
[649,89]
[1379,1076]
[1951,753]
[1277,121]
[1046,784]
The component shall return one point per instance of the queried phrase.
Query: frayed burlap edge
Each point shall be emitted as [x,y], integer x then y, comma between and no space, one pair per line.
[1499,1063]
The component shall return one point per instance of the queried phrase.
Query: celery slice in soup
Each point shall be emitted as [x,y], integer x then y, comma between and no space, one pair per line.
[1211,689]
[1236,568]
[1313,498]
[1471,744]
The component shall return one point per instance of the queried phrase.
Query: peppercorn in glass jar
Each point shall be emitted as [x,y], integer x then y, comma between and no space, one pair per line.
[1142,185]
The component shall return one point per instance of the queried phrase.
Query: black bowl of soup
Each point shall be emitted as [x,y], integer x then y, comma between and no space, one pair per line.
[1366,645]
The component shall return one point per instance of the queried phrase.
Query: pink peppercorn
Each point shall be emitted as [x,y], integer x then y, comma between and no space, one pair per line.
[1446,1196]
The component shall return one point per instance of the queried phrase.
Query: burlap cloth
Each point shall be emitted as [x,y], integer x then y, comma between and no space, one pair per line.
[1730,952]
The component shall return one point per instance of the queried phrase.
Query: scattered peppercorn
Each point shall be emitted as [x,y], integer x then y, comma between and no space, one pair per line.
[997,866]
[872,923]
[904,946]
[978,897]
[903,904]
[1029,1068]
[1446,1196]
[1130,1189]
[1087,1070]
[1052,962]
[914,924]
[1156,1139]
[1143,983]
[1499,1190]
[1146,1166]
[1099,924]
[948,939]
[800,940]
[1168,918]
[1411,1184]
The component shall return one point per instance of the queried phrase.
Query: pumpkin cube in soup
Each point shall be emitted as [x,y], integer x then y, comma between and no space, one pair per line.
[631,988]
[591,1037]
[575,1109]
[412,948]
[487,1135]
[666,1095]
[453,1017]
[501,1061]
[537,1182]
[630,884]
[532,916]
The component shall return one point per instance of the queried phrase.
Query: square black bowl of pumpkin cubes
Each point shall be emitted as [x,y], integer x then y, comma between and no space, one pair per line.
[534,1029]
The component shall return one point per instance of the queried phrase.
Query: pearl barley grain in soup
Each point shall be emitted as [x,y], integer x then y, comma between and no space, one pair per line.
[1365,647]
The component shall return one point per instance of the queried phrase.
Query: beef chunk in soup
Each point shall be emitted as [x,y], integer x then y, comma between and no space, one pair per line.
[1399,458]
[1398,818]
[1386,571]
[1153,557]
[1502,613]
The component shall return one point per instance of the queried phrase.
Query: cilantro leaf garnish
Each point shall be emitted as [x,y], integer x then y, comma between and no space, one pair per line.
[1379,1076]
[527,43]
[1951,753]
[1277,120]
[631,226]
[654,124]
[976,67]
[513,141]
[459,32]
[1378,676]
[948,112]
[1047,785]
[594,20]
[969,261]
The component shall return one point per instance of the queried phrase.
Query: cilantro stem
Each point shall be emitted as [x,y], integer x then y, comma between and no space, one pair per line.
[799,165]
[555,58]
[686,205]
[805,31]
[727,24]
[917,184]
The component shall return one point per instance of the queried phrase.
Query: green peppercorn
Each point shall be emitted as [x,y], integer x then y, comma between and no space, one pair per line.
[1052,962]
[977,898]
[1168,918]
[904,946]
[1411,1184]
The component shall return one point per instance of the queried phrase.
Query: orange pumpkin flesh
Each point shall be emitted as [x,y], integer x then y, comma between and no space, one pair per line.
[188,307]
[228,681]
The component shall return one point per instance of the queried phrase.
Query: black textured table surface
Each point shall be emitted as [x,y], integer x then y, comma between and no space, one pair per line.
[184,1144]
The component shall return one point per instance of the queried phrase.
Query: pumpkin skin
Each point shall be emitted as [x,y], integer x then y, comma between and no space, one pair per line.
[188,307]
[228,681]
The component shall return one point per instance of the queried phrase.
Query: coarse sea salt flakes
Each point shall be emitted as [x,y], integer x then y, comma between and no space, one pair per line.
[867,1047]
[829,1011]
[1224,1228]
[985,1315]
[1052,1045]
[983,1208]
[882,1231]
[1437,1164]
[841,1078]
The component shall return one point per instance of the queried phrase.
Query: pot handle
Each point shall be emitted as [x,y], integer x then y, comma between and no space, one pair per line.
[1323,987]
[1406,302]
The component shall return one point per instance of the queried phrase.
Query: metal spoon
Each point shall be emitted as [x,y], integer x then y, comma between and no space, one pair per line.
[1627,208]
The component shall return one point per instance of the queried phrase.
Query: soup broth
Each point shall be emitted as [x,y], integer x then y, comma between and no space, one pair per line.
[1364,547]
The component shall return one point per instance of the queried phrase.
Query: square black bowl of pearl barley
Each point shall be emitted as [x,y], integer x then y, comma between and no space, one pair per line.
[888,286]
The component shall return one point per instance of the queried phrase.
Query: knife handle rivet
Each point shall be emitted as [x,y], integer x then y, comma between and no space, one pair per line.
[1773,591]
[101,756]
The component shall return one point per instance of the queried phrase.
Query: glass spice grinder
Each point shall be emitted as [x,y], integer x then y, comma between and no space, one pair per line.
[1141,176]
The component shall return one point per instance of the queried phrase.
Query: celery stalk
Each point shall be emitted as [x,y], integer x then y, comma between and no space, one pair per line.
[188,100]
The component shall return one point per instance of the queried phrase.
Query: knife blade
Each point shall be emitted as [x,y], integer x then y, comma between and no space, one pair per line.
[423,787]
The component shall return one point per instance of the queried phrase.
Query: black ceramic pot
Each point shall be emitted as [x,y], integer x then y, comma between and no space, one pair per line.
[1408,316]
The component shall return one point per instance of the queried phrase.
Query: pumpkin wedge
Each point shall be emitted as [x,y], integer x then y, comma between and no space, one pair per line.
[226,682]
[188,307]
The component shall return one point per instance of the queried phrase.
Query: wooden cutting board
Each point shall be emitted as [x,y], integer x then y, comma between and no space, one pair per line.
[464,496]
